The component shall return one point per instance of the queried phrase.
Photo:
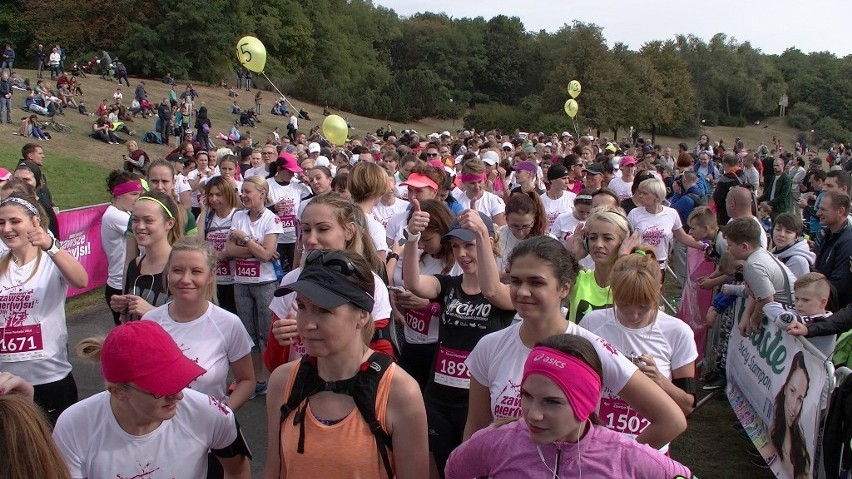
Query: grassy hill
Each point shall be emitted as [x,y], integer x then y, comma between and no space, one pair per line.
[77,165]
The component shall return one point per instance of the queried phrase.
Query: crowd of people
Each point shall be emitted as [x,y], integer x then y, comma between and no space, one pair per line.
[469,304]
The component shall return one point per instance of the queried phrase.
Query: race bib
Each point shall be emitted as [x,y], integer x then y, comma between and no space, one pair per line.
[419,320]
[223,268]
[619,416]
[450,369]
[247,268]
[288,221]
[297,350]
[21,343]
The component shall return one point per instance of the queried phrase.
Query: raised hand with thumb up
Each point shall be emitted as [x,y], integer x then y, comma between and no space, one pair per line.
[419,219]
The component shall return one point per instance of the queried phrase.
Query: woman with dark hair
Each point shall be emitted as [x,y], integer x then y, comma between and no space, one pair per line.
[125,188]
[218,206]
[559,389]
[202,127]
[525,218]
[786,439]
[420,315]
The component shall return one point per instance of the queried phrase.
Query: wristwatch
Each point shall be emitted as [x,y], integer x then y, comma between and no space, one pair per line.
[246,239]
[54,248]
[410,237]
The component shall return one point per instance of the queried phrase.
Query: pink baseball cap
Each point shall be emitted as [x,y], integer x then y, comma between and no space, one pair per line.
[143,353]
[288,162]
[420,181]
[5,175]
[627,161]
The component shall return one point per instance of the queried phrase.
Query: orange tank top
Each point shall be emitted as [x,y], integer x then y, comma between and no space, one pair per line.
[343,450]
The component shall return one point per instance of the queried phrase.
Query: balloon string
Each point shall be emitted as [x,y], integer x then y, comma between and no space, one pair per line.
[296,112]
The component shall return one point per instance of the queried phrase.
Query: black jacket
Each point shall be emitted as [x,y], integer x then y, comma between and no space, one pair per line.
[834,260]
[727,181]
[5,88]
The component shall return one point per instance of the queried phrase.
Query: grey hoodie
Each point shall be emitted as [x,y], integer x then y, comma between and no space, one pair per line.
[798,257]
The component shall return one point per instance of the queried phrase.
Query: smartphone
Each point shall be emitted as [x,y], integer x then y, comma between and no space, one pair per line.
[397,289]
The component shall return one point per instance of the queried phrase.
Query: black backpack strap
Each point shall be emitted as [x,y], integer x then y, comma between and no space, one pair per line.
[364,393]
[306,384]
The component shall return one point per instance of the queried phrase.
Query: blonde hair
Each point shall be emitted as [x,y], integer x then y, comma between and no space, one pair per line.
[635,278]
[702,216]
[816,280]
[27,449]
[195,244]
[473,166]
[42,221]
[261,185]
[346,213]
[613,216]
[727,263]
[654,187]
[367,180]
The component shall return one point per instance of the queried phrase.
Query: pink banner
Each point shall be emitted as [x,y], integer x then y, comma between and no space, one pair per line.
[80,235]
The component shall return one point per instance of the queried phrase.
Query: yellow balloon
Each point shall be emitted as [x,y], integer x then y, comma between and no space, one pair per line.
[251,54]
[571,108]
[574,88]
[335,129]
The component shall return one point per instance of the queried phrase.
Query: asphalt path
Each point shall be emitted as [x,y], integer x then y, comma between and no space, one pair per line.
[97,321]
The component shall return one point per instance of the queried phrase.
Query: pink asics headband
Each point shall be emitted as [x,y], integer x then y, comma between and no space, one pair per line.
[580,383]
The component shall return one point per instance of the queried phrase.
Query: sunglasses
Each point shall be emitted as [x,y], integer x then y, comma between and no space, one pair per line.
[334,261]
[432,155]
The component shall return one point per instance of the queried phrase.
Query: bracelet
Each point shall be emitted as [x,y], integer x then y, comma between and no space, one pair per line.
[410,237]
[391,256]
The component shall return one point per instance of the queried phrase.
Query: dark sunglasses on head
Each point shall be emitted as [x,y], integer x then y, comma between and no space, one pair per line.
[332,260]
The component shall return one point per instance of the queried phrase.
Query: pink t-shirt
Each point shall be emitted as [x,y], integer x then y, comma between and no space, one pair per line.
[506,452]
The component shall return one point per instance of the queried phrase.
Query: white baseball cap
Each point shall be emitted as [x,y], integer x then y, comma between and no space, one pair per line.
[314,147]
[490,157]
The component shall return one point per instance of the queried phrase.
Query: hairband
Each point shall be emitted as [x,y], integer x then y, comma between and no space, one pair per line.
[155,200]
[580,383]
[640,252]
[131,186]
[471,177]
[26,204]
[583,198]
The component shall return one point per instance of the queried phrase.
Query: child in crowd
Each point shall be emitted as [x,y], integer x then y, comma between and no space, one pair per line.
[790,247]
[812,292]
[767,279]
[703,227]
[764,214]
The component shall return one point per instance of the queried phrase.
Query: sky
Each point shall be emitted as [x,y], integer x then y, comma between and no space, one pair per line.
[813,26]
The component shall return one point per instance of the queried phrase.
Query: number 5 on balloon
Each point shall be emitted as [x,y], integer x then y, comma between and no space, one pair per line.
[245,52]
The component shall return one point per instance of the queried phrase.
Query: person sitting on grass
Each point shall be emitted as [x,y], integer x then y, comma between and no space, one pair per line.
[101,131]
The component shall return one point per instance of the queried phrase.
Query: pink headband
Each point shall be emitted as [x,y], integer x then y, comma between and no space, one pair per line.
[580,383]
[127,187]
[471,177]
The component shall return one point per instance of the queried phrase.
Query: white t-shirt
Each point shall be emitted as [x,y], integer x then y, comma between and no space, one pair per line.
[621,188]
[260,171]
[382,213]
[668,340]
[181,185]
[656,230]
[377,234]
[562,230]
[217,235]
[196,194]
[34,313]
[291,195]
[113,239]
[561,205]
[251,270]
[489,203]
[396,225]
[94,445]
[497,362]
[214,341]
[421,327]
[281,306]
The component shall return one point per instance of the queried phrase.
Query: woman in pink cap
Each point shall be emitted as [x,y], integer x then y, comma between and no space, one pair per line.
[147,420]
[286,197]
[559,434]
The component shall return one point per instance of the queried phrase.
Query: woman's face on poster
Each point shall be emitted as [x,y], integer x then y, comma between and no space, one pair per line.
[794,396]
